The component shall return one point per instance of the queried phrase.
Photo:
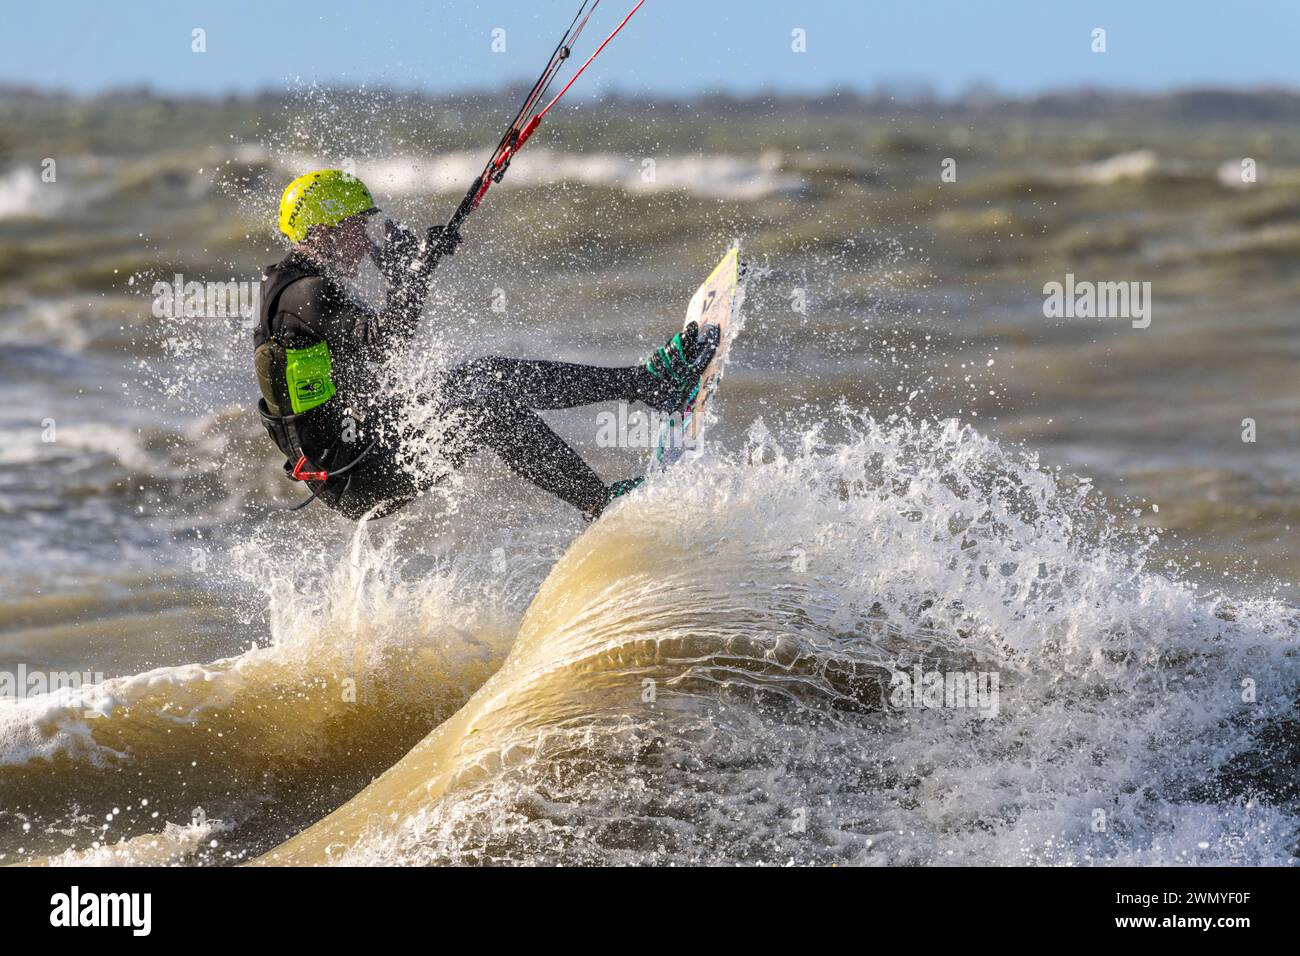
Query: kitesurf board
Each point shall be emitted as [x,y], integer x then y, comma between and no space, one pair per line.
[716,302]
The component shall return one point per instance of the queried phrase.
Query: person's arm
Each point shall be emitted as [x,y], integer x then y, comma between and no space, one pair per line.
[406,263]
[318,308]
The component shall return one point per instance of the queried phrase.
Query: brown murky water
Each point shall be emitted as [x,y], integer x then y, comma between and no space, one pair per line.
[138,499]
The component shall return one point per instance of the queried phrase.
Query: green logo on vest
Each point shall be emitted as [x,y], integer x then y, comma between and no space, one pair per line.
[307,372]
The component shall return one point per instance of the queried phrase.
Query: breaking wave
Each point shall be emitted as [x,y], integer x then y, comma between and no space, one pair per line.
[714,175]
[704,678]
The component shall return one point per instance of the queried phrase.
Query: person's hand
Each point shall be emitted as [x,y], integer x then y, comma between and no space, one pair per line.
[394,257]
[439,242]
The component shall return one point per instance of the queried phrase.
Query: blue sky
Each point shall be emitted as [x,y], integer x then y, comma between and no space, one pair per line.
[670,47]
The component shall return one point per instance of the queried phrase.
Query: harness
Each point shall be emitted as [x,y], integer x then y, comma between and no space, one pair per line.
[312,387]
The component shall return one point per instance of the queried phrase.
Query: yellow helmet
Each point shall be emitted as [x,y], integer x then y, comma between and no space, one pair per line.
[322,198]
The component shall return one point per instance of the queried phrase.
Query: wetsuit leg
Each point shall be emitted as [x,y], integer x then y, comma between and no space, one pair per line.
[533,451]
[541,384]
[497,397]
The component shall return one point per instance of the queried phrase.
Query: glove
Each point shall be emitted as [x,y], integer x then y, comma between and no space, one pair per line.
[404,256]
[400,249]
[439,242]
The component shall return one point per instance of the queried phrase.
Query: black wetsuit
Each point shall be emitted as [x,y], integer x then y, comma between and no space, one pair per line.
[491,401]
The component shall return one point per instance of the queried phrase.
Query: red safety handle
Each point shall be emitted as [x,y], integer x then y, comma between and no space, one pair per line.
[300,474]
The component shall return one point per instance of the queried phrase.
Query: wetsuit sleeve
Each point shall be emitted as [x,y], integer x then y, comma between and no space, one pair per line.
[318,308]
[404,307]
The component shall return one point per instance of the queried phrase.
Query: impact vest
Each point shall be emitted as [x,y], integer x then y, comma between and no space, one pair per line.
[300,401]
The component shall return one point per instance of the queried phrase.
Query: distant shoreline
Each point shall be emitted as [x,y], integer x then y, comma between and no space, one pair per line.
[1254,105]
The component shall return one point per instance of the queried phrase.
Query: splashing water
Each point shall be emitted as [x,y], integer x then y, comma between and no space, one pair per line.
[709,674]
[708,682]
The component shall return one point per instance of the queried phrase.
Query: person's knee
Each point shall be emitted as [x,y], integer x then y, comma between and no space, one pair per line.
[478,379]
[499,421]
[486,369]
